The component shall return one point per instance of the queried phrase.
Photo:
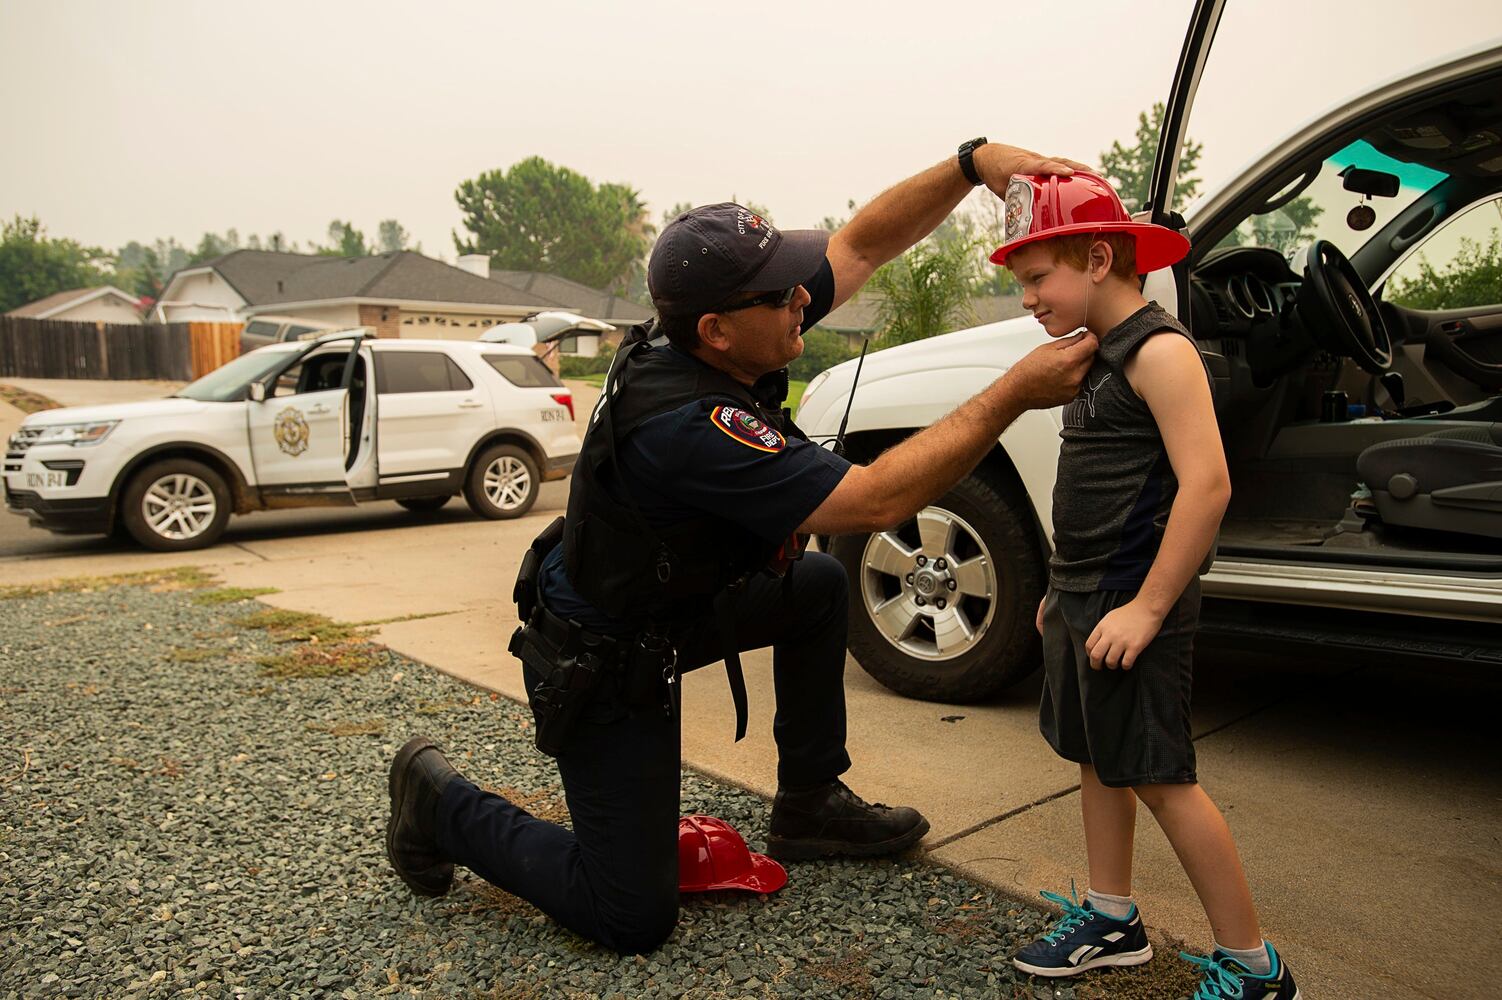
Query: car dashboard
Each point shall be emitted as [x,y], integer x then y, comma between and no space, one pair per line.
[1242,305]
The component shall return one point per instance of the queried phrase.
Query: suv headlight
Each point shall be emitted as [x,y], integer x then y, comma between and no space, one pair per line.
[75,434]
[813,387]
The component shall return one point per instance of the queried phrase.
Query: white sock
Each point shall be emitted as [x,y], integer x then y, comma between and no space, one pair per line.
[1255,959]
[1115,907]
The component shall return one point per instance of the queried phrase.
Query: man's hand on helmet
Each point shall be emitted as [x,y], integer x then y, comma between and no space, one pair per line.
[996,162]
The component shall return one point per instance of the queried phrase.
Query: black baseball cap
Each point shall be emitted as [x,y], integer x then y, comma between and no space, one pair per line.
[710,253]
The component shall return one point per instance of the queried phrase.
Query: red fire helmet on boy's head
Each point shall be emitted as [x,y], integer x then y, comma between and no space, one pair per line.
[1040,208]
[711,855]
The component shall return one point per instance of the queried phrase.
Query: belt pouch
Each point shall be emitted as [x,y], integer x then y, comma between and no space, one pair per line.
[566,684]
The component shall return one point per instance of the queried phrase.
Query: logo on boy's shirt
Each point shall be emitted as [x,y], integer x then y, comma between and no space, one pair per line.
[1075,412]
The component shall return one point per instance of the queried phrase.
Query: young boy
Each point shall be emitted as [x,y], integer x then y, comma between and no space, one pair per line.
[1141,489]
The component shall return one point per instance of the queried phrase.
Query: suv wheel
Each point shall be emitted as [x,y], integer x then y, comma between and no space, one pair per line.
[176,505]
[424,505]
[942,608]
[502,483]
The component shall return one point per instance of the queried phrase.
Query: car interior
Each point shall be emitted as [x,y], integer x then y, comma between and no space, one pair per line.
[1358,428]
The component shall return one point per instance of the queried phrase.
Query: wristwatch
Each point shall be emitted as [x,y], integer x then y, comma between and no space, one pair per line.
[967,159]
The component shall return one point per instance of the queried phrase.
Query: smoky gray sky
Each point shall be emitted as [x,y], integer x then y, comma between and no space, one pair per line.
[138,120]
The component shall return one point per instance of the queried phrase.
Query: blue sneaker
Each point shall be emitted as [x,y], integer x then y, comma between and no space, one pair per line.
[1084,939]
[1227,979]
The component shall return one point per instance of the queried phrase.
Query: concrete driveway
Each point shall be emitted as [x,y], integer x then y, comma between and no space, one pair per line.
[1365,796]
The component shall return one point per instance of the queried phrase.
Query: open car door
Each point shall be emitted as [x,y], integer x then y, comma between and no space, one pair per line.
[298,424]
[1160,192]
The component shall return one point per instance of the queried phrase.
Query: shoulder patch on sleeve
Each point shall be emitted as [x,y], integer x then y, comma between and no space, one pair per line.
[747,428]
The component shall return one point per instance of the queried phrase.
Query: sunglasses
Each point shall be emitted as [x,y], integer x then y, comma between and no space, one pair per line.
[779,299]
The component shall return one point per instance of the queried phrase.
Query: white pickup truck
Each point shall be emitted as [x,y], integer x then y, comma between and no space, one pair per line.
[340,420]
[1363,431]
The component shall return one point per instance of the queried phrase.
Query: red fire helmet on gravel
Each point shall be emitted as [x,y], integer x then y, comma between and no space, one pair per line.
[711,855]
[1040,208]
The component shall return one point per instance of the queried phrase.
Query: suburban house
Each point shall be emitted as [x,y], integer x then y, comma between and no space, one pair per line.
[856,319]
[400,294]
[84,305]
[620,313]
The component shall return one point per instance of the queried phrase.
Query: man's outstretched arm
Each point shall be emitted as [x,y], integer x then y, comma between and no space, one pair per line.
[905,213]
[911,475]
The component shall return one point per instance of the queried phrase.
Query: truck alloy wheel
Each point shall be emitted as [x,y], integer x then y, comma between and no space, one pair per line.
[175,505]
[942,607]
[932,600]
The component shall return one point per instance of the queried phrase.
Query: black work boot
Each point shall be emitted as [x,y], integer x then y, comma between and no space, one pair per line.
[832,820]
[419,774]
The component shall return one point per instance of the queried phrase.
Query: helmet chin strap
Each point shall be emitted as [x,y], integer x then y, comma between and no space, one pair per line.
[1089,280]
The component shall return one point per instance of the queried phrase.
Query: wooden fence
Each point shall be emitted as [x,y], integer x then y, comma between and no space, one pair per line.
[176,352]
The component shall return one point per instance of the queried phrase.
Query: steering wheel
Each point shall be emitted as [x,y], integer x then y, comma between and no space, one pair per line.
[1335,302]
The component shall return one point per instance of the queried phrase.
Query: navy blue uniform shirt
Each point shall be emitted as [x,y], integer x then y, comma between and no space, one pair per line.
[697,459]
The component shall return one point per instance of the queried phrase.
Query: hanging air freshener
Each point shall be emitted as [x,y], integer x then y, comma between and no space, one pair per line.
[1361,217]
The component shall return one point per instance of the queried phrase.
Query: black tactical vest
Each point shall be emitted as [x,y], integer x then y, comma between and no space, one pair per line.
[616,560]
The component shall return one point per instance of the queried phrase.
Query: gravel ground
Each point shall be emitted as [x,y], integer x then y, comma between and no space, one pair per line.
[193,806]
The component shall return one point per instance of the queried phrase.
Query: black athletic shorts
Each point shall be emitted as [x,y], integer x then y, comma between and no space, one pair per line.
[1132,726]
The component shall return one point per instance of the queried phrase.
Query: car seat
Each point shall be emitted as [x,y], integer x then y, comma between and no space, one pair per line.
[1446,481]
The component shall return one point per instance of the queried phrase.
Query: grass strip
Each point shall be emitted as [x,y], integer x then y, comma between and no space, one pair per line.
[158,580]
[27,402]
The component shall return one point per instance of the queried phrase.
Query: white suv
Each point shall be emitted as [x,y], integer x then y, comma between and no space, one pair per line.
[337,421]
[1363,431]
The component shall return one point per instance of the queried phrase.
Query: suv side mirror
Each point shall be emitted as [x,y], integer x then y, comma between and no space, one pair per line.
[258,391]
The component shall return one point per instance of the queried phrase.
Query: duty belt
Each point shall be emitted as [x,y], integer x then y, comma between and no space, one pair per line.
[619,653]
[614,650]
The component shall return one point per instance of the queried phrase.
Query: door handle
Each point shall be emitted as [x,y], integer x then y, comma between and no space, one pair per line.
[468,405]
[319,409]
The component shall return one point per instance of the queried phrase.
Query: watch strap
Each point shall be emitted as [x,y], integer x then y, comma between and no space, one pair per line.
[967,159]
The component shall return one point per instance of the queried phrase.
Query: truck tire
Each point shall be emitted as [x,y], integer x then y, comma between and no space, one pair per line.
[942,608]
[502,482]
[424,505]
[176,505]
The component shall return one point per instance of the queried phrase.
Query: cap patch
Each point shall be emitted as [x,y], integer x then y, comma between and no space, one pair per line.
[757,226]
[1019,209]
[747,428]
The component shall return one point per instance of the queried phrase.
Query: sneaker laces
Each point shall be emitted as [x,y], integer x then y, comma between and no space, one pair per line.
[1074,916]
[1220,982]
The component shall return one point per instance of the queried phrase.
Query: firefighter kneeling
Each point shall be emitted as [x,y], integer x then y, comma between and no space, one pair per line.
[679,549]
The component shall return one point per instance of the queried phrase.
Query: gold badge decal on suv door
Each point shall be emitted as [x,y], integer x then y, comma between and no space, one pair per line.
[291,431]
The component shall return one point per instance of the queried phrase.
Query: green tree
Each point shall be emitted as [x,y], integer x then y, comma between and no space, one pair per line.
[679,207]
[34,266]
[212,245]
[345,241]
[989,224]
[540,217]
[926,291]
[391,237]
[835,223]
[139,268]
[1282,229]
[1472,278]
[1130,168]
[642,231]
[821,349]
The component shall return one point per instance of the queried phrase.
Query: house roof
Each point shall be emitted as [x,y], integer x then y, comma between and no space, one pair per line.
[61,301]
[579,298]
[859,314]
[264,277]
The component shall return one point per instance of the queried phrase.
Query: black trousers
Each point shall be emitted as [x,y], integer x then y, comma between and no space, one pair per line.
[614,877]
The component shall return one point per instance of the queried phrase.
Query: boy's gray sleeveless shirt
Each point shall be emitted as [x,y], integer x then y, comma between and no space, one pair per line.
[1115,486]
